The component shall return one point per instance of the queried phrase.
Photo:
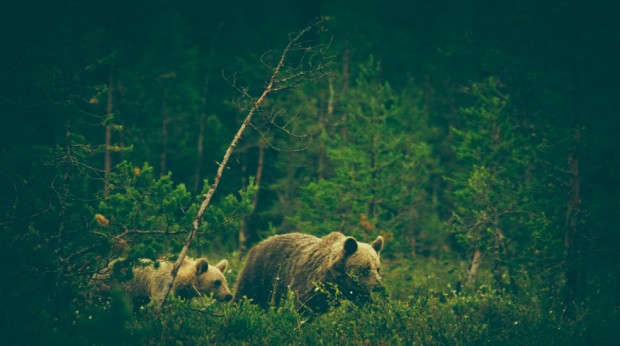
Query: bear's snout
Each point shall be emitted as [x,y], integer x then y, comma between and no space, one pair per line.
[227,297]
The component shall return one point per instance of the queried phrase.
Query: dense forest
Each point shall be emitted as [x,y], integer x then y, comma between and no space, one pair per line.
[479,138]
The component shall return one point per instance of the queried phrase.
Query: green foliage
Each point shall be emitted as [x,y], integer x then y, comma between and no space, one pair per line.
[493,212]
[47,237]
[108,325]
[153,215]
[430,314]
[379,165]
[142,217]
[221,222]
[138,202]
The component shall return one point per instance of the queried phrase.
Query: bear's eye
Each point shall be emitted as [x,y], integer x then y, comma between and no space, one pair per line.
[378,270]
[217,283]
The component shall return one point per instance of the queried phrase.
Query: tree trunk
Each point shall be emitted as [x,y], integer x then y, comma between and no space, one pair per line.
[243,229]
[119,102]
[497,261]
[410,214]
[573,247]
[330,98]
[427,94]
[259,171]
[345,65]
[107,164]
[412,242]
[201,137]
[243,223]
[345,84]
[374,167]
[476,258]
[163,157]
[62,217]
[326,120]
[199,153]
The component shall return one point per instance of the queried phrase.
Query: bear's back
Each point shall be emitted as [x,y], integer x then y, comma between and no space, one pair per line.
[269,267]
[292,260]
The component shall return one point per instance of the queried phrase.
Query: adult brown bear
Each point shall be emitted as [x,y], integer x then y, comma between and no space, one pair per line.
[314,269]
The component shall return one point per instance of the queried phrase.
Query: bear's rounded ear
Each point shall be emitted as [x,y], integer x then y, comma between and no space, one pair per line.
[377,244]
[201,266]
[222,265]
[350,246]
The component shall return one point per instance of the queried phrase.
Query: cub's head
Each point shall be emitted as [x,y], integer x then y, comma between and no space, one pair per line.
[209,280]
[359,274]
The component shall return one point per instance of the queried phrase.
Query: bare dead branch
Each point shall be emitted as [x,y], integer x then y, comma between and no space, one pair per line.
[293,40]
[138,231]
[271,119]
[262,58]
[81,252]
[272,146]
[482,221]
[10,220]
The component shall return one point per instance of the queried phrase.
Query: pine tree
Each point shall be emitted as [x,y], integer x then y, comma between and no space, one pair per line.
[492,189]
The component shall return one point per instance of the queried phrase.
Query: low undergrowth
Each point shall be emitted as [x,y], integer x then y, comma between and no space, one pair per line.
[447,319]
[425,309]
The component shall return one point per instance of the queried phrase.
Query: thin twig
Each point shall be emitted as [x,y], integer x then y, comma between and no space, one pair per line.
[273,146]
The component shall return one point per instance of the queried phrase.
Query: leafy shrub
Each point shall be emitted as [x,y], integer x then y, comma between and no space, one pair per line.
[431,314]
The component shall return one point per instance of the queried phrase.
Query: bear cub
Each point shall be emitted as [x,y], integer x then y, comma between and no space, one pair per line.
[195,278]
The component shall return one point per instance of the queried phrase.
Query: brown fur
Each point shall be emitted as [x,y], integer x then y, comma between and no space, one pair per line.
[301,262]
[195,278]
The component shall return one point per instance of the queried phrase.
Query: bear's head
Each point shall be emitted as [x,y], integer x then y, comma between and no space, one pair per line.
[358,272]
[207,280]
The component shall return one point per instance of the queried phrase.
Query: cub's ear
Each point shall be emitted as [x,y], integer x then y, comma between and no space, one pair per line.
[201,266]
[222,265]
[377,244]
[350,246]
